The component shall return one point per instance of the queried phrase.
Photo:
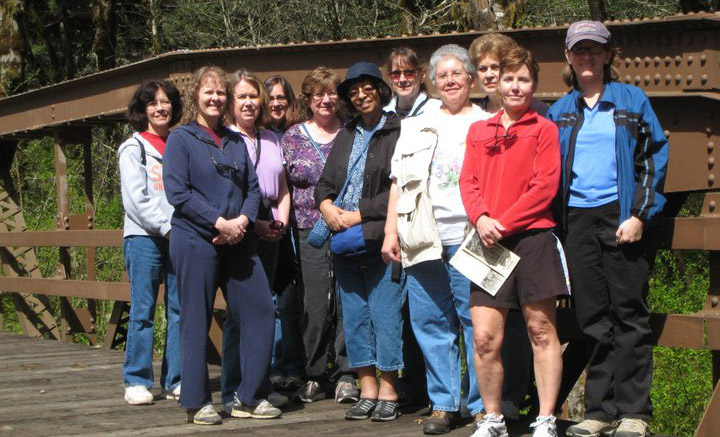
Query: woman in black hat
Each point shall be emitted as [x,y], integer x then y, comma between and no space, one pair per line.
[352,194]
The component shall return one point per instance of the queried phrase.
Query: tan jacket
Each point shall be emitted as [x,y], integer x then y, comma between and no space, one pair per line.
[418,232]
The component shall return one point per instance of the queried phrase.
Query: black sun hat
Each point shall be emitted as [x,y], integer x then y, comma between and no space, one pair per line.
[358,71]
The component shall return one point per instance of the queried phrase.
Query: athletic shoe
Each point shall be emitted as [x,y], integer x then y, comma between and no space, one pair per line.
[346,392]
[492,425]
[310,392]
[138,395]
[264,410]
[632,428]
[279,382]
[385,411]
[278,400]
[440,422]
[173,394]
[544,426]
[362,409]
[591,428]
[293,382]
[203,416]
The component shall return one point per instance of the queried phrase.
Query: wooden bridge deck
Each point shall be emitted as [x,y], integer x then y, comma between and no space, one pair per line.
[54,388]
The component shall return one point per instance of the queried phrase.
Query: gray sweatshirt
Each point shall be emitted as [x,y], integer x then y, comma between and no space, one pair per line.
[147,211]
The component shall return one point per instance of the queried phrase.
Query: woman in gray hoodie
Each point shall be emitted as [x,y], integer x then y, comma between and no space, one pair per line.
[153,109]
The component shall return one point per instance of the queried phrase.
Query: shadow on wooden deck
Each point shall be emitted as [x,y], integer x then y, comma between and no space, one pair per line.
[53,388]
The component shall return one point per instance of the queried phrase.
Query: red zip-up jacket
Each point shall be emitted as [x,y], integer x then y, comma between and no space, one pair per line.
[511,176]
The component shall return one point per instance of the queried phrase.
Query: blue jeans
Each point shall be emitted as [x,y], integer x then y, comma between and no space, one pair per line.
[372,313]
[148,264]
[439,298]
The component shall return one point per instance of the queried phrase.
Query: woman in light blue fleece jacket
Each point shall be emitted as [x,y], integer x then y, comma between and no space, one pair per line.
[154,107]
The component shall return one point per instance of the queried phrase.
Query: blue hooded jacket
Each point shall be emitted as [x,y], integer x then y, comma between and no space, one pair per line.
[199,190]
[640,145]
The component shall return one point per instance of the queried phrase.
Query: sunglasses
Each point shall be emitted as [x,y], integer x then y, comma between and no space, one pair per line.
[397,74]
[593,50]
[368,90]
[224,169]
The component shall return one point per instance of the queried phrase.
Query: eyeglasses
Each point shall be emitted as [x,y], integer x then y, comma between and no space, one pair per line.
[317,97]
[224,169]
[397,74]
[366,89]
[162,103]
[454,75]
[280,99]
[594,49]
[506,140]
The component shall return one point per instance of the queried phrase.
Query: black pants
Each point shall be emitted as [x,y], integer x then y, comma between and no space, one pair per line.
[322,318]
[609,283]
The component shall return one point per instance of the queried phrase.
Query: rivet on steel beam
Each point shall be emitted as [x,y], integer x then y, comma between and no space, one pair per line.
[678,78]
[637,61]
[708,130]
[638,79]
[689,79]
[710,146]
[668,79]
[714,301]
[646,79]
[89,225]
[711,179]
[703,79]
[711,206]
[668,59]
[678,59]
[703,60]
[711,162]
[627,62]
[647,61]
[690,59]
[628,79]
[657,79]
[656,59]
[667,133]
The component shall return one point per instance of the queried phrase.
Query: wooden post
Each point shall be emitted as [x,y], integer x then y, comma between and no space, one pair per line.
[90,211]
[63,223]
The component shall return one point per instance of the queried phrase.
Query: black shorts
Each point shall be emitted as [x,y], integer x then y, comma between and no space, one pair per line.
[539,274]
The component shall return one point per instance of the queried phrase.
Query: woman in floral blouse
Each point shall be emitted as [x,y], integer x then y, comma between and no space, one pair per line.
[306,147]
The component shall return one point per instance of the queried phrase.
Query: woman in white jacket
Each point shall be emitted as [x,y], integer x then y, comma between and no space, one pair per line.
[153,109]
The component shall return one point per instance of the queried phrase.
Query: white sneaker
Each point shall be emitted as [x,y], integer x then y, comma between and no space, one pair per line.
[592,428]
[544,426]
[138,395]
[632,428]
[264,410]
[492,425]
[173,394]
[203,416]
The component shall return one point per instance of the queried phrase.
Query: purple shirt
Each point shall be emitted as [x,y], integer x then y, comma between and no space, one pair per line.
[270,168]
[304,167]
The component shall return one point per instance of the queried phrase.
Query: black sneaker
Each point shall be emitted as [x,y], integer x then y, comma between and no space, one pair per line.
[362,409]
[386,411]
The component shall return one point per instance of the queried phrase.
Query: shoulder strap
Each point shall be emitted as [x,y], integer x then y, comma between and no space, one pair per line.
[143,155]
[317,148]
[258,148]
[419,107]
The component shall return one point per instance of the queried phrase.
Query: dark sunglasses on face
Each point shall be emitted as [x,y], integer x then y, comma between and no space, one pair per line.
[366,89]
[593,49]
[224,169]
[409,74]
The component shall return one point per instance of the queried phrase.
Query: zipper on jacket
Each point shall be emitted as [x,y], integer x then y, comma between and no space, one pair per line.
[579,120]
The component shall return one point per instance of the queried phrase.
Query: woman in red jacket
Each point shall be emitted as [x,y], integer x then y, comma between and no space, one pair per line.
[508,180]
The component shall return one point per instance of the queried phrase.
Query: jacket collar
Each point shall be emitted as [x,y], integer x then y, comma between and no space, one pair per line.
[609,95]
[392,106]
[194,129]
[392,121]
[530,116]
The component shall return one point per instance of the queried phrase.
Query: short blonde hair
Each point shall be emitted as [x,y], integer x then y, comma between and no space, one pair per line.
[493,44]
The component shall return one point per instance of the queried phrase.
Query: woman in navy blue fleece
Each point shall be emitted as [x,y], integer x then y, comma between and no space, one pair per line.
[210,181]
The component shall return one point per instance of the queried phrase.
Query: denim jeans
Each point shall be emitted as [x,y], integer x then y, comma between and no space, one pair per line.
[148,264]
[439,299]
[372,313]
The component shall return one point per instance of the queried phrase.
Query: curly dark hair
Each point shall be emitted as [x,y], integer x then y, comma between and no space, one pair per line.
[145,93]
[384,92]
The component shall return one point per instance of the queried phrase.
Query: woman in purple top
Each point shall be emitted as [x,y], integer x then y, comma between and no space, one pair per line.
[306,147]
[247,113]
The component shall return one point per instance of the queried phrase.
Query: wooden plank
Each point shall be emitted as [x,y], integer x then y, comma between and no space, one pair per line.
[70,238]
[710,424]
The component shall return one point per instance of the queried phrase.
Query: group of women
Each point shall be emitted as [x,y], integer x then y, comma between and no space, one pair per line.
[373,208]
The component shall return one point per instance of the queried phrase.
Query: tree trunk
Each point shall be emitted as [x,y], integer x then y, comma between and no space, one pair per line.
[483,15]
[598,12]
[104,21]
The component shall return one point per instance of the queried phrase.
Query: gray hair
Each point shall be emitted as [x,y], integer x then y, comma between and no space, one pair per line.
[455,51]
